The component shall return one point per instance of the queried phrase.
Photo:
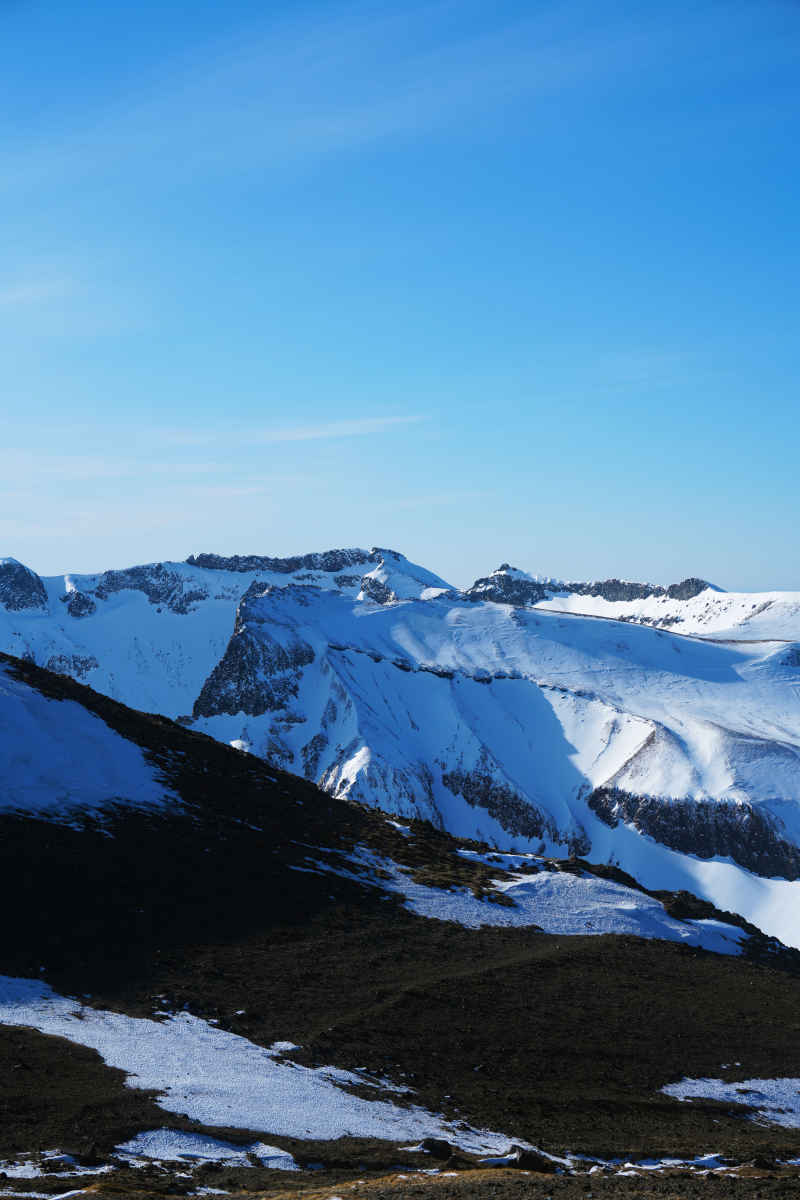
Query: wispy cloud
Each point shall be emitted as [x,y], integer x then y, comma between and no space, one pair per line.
[33,292]
[332,81]
[358,427]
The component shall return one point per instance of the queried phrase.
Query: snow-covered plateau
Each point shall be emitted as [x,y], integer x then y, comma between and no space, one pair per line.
[655,727]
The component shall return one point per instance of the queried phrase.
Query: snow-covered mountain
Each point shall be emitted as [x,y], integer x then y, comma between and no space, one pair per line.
[508,712]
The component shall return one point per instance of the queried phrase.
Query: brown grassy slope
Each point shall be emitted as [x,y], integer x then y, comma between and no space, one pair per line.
[562,1041]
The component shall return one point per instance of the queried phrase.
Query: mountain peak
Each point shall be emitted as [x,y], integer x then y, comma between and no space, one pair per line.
[20,587]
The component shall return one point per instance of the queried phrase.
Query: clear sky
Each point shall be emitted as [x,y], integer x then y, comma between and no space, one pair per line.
[478,281]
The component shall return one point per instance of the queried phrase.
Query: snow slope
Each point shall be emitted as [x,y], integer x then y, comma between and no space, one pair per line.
[691,607]
[58,758]
[506,724]
[738,616]
[553,901]
[427,701]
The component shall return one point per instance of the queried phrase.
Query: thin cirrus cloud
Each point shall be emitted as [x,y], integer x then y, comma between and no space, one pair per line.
[33,292]
[297,89]
[360,427]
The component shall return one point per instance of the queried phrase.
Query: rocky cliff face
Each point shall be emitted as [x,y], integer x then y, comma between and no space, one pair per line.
[329,561]
[705,828]
[158,583]
[507,585]
[20,588]
[258,673]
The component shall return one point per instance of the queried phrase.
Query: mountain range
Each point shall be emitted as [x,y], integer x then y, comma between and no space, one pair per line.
[656,728]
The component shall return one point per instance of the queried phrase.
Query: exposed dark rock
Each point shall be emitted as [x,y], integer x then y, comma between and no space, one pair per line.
[687,589]
[481,789]
[505,588]
[312,752]
[77,666]
[530,1160]
[377,591]
[255,675]
[438,1147]
[703,827]
[79,604]
[579,843]
[328,561]
[20,588]
[160,585]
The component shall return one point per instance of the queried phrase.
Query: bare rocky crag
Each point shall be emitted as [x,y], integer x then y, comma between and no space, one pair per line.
[20,588]
[507,586]
[705,828]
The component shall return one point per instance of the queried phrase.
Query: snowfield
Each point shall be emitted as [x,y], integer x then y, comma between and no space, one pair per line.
[58,758]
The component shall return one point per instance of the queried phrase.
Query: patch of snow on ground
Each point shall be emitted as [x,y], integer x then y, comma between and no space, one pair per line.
[774,1101]
[219,1078]
[48,1164]
[171,1145]
[561,903]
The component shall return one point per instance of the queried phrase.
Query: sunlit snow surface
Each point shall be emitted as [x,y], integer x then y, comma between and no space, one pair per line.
[170,1145]
[219,1078]
[773,1101]
[554,901]
[56,755]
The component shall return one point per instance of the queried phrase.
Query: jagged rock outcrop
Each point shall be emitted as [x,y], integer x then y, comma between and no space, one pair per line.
[257,673]
[622,590]
[705,828]
[329,561]
[79,604]
[507,585]
[481,788]
[20,587]
[160,585]
[374,589]
[77,666]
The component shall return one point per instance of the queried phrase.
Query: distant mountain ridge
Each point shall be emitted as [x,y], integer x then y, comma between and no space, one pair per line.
[508,585]
[508,712]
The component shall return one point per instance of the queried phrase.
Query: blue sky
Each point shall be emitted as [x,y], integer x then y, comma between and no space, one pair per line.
[482,282]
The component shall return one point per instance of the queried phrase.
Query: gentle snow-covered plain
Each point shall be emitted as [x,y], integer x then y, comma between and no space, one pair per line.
[218,1078]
